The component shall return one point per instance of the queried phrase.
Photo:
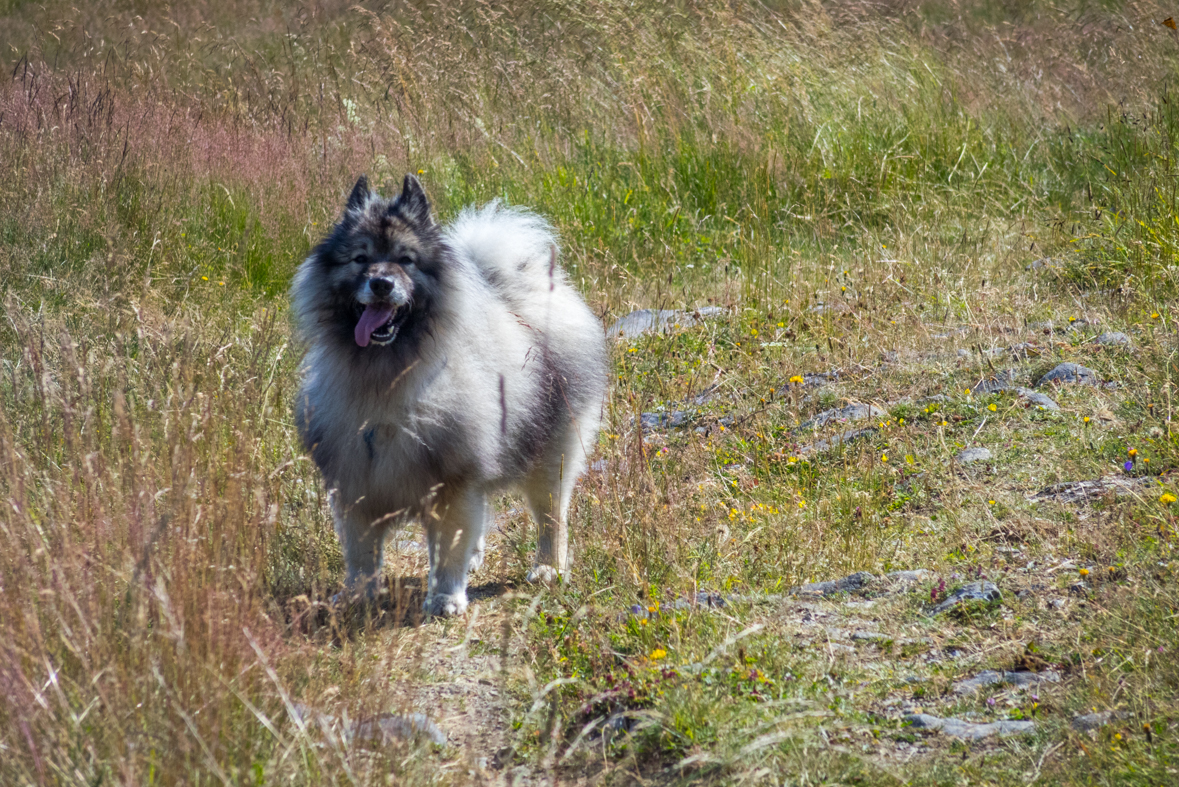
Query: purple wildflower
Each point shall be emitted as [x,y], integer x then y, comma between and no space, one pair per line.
[1128,466]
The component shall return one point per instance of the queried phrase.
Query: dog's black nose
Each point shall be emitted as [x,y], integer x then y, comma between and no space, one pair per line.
[380,287]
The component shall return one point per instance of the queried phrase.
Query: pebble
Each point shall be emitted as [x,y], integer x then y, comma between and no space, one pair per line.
[996,678]
[853,412]
[970,455]
[848,584]
[384,728]
[1000,382]
[672,419]
[1040,400]
[1069,372]
[969,730]
[1045,262]
[1092,721]
[975,591]
[1080,491]
[842,438]
[1114,339]
[654,320]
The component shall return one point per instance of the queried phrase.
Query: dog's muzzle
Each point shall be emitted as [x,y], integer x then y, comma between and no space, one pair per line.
[385,305]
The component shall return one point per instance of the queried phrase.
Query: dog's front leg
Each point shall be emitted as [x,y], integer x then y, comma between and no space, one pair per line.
[454,534]
[364,546]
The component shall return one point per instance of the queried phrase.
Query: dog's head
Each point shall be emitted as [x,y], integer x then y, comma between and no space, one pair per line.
[374,276]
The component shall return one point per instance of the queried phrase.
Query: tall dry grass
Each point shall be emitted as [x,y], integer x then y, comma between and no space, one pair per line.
[166,549]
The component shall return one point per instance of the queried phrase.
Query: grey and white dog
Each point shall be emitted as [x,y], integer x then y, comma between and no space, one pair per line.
[444,364]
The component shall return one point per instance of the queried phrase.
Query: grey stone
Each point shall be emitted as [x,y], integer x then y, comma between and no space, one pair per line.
[655,320]
[383,728]
[969,730]
[1069,372]
[963,353]
[389,728]
[818,379]
[1045,262]
[1080,491]
[1041,401]
[848,584]
[1000,382]
[970,455]
[996,678]
[1115,339]
[975,591]
[870,636]
[853,412]
[906,578]
[1023,351]
[699,600]
[935,399]
[1091,721]
[671,419]
[843,438]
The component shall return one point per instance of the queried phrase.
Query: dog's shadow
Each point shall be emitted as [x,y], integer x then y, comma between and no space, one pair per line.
[399,605]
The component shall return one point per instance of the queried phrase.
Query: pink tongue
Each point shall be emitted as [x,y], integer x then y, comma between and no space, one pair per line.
[374,317]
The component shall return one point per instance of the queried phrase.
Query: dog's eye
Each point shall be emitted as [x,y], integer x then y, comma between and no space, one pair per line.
[404,260]
[361,259]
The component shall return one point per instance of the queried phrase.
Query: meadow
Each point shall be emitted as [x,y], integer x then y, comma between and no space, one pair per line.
[921,206]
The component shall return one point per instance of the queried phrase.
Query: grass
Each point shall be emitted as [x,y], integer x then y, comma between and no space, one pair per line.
[863,189]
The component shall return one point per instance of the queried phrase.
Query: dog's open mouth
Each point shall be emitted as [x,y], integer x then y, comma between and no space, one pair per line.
[378,324]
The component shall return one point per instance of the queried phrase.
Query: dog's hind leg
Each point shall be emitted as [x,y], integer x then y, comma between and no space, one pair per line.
[549,491]
[454,537]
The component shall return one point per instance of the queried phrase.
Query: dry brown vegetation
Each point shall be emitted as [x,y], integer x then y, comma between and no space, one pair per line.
[860,186]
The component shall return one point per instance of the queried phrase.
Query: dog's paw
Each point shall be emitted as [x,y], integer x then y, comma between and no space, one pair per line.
[542,574]
[445,606]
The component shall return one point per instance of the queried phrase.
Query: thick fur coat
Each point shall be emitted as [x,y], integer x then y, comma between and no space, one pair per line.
[444,364]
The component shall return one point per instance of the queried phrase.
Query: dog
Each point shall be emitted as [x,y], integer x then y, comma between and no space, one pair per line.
[444,365]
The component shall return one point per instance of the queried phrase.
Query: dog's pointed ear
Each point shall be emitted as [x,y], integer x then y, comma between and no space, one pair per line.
[413,202]
[360,194]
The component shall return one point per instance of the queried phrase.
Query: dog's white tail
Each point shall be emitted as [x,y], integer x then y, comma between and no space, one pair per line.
[515,249]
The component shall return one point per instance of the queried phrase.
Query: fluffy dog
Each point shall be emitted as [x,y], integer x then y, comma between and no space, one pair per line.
[444,364]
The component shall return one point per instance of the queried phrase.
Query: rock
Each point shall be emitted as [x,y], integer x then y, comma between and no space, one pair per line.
[1045,262]
[874,637]
[970,455]
[935,399]
[842,438]
[1080,491]
[903,579]
[700,600]
[853,412]
[817,379]
[968,730]
[389,728]
[1114,339]
[849,584]
[975,591]
[1091,721]
[654,320]
[996,678]
[1070,373]
[1000,382]
[672,419]
[1023,351]
[384,728]
[1041,401]
[963,353]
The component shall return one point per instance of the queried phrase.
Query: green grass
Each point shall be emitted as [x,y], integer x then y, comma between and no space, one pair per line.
[861,189]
